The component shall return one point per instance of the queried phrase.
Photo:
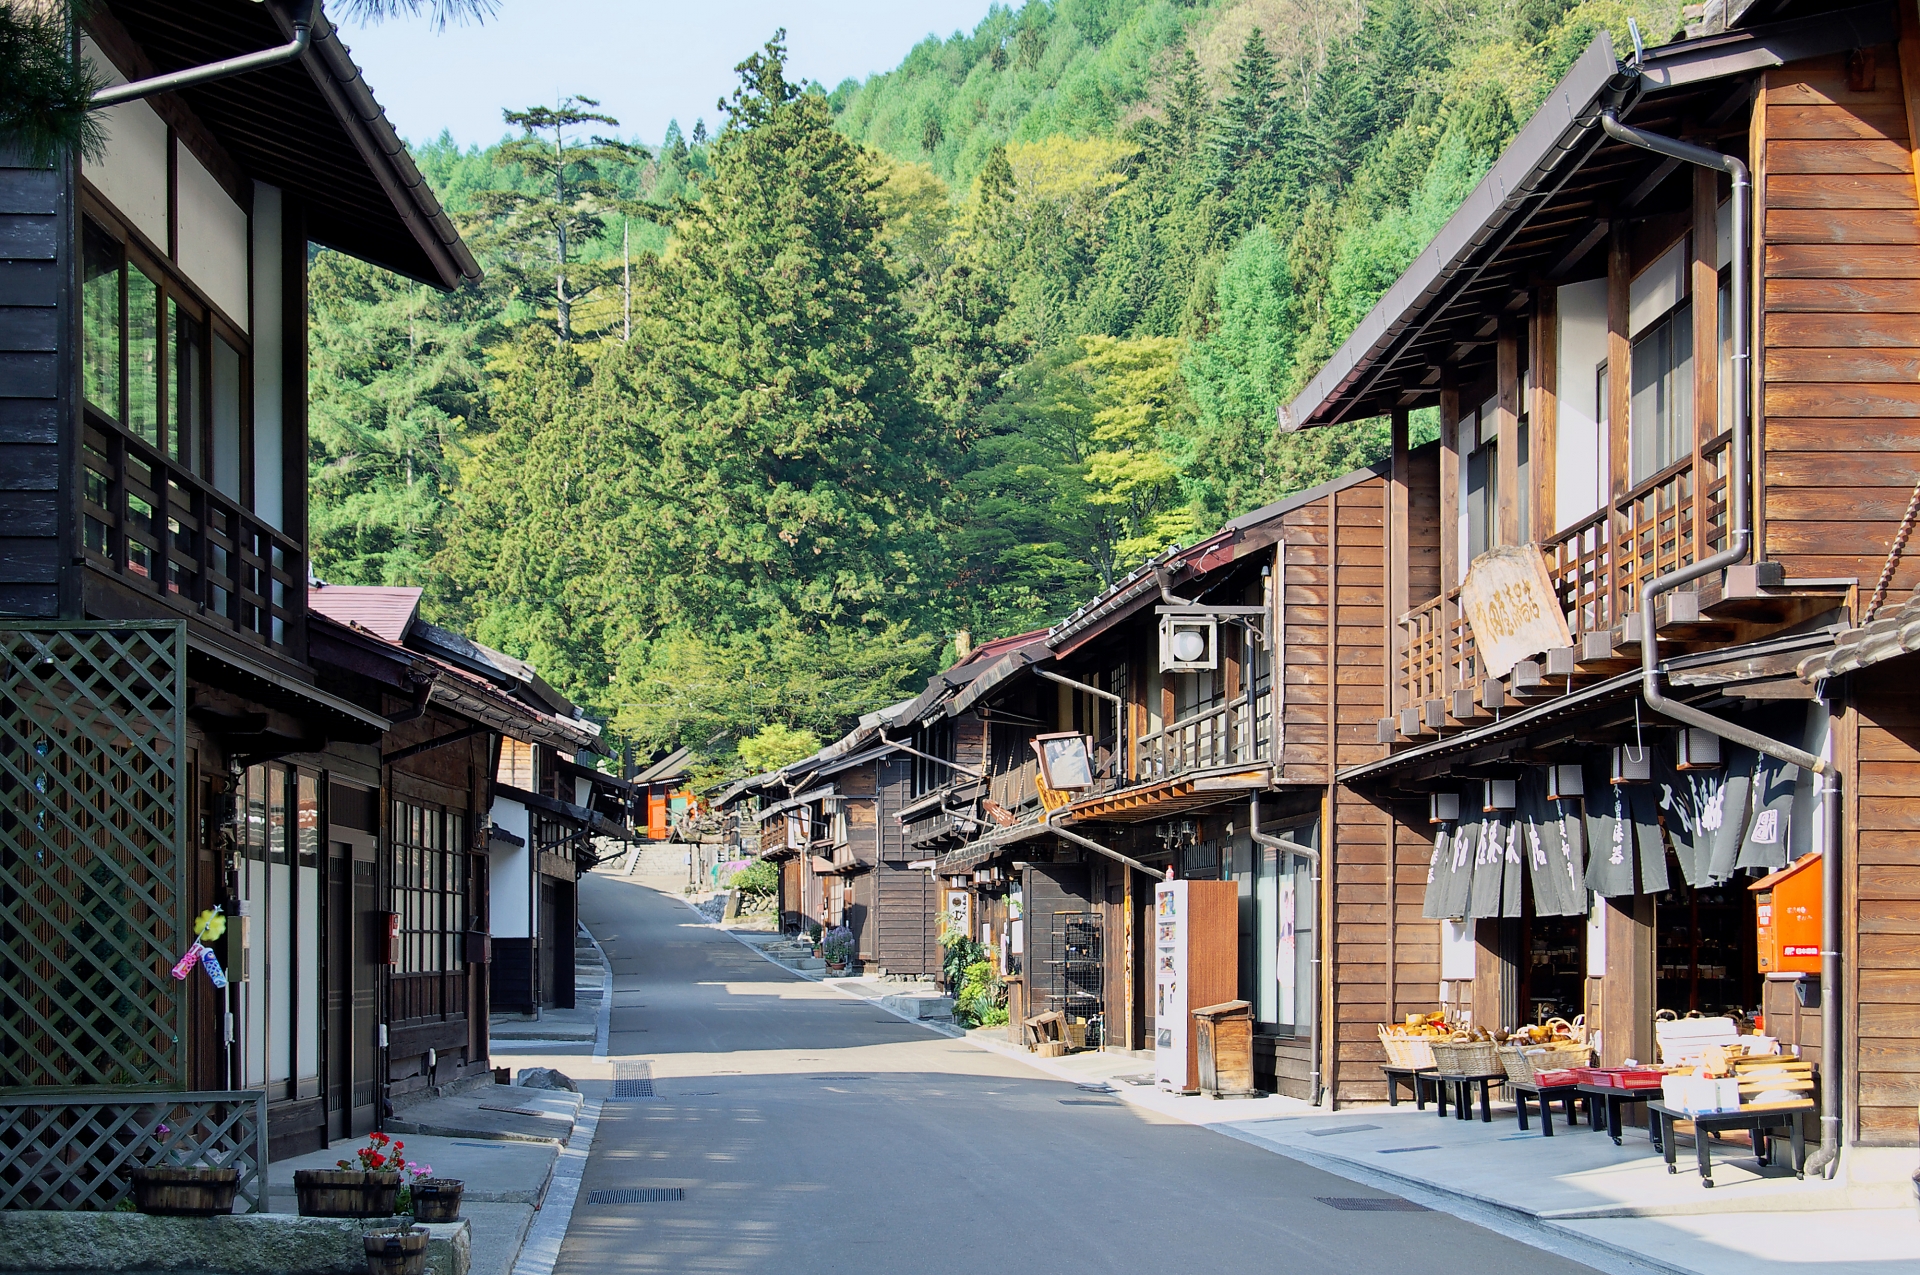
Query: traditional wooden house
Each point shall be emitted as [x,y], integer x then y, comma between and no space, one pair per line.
[169,744]
[1672,388]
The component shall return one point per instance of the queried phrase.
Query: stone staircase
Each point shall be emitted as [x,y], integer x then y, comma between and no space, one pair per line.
[796,954]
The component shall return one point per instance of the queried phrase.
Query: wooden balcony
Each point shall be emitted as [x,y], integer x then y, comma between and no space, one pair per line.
[160,530]
[1238,732]
[1597,566]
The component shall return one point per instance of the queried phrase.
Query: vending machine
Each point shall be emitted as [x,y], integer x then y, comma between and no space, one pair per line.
[1196,955]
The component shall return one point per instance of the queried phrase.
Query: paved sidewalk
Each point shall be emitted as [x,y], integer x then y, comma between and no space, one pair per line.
[1619,1200]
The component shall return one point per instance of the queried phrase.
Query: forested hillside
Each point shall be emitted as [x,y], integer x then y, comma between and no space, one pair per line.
[742,429]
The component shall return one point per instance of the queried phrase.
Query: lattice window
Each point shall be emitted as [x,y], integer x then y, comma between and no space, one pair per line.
[92,855]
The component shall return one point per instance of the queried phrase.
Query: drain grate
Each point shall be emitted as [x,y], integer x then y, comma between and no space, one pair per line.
[1089,1102]
[1399,1150]
[1372,1204]
[637,1195]
[1336,1132]
[840,1077]
[632,1081]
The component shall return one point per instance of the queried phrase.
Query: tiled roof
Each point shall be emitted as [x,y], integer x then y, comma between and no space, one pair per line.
[386,611]
[1893,633]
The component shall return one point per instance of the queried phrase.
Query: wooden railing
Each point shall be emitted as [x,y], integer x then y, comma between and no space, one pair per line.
[1230,734]
[1016,787]
[1597,566]
[165,531]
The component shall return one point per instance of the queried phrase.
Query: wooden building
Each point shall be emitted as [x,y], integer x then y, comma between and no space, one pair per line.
[153,581]
[1576,327]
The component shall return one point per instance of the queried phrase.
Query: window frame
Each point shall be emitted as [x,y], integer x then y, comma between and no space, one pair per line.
[427,887]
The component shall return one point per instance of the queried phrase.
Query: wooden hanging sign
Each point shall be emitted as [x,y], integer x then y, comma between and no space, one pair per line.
[1509,601]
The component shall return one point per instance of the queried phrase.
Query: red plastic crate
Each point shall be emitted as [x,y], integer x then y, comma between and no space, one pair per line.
[1560,1076]
[1640,1078]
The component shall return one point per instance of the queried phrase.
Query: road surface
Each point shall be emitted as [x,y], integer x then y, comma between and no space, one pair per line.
[809,1132]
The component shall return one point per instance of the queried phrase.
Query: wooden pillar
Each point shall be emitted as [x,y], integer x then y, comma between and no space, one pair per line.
[1132,1010]
[1619,397]
[1397,544]
[1449,519]
[1507,424]
[1706,340]
[1627,998]
[1543,414]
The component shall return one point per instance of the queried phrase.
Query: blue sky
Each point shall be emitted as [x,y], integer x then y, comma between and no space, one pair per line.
[647,62]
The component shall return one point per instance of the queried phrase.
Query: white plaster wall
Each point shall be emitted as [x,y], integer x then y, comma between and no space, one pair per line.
[133,175]
[212,237]
[510,883]
[1580,468]
[1659,288]
[269,406]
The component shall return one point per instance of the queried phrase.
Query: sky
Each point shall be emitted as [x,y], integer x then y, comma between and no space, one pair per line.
[645,61]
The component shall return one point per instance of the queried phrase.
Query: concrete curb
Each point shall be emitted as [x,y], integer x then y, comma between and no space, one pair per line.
[938,1029]
[541,1247]
[603,1023]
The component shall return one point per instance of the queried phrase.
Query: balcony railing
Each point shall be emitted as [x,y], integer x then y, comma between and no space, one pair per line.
[1597,566]
[165,531]
[1237,732]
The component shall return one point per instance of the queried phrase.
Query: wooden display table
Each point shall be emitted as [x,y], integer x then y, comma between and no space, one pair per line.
[1463,1092]
[1614,1100]
[1412,1078]
[1546,1096]
[1754,1120]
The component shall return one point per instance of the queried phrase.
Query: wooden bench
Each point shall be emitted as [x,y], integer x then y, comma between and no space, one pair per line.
[1756,1121]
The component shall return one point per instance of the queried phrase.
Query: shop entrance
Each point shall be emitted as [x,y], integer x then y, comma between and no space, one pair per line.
[1707,950]
[1553,967]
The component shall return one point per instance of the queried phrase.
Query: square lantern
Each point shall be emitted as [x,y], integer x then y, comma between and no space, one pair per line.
[1696,750]
[1496,794]
[1632,765]
[1189,643]
[1564,782]
[1443,807]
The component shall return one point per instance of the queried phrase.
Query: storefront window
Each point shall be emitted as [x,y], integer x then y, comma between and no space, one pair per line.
[1277,930]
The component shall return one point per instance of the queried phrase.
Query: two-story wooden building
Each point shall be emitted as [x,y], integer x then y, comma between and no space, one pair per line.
[172,739]
[1668,340]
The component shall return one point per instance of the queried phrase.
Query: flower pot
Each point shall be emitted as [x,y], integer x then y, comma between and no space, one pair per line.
[841,968]
[397,1252]
[437,1199]
[195,1192]
[345,1192]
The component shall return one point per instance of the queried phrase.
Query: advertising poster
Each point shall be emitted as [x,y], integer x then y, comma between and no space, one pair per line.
[1170,984]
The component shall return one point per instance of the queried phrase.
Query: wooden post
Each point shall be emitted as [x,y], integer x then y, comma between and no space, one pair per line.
[1450,565]
[1126,924]
[1543,415]
[1619,399]
[1627,999]
[1395,538]
[1757,318]
[1706,340]
[1507,424]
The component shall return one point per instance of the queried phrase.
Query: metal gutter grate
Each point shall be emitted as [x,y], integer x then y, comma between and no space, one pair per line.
[638,1195]
[1372,1204]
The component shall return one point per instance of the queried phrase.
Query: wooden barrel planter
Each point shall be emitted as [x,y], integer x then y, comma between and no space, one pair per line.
[185,1192]
[345,1192]
[397,1252]
[437,1199]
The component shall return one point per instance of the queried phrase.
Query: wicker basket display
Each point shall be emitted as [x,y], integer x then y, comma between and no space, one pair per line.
[1415,1052]
[1466,1057]
[1522,1061]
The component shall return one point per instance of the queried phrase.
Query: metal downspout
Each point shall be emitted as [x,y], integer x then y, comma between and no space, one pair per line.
[1312,856]
[173,80]
[1739,543]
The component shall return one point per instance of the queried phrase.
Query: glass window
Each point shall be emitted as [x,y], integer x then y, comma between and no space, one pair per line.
[425,883]
[189,394]
[1660,422]
[143,356]
[227,458]
[1277,930]
[100,320]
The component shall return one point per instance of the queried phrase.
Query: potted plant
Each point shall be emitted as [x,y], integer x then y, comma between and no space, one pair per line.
[174,1189]
[436,1199]
[813,933]
[367,1185]
[837,946]
[401,1252]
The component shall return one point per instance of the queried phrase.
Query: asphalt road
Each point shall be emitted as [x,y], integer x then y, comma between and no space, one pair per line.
[811,1133]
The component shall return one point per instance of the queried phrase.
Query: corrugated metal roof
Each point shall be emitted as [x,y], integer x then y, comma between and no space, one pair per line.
[386,611]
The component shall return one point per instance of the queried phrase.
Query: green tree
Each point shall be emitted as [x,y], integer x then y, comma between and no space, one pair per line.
[537,231]
[776,744]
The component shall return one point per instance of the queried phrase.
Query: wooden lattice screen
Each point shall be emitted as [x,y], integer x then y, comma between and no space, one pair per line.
[93,822]
[78,1151]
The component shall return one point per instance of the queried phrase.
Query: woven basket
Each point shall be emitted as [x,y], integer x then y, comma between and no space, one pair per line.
[1466,1057]
[1407,1051]
[1521,1061]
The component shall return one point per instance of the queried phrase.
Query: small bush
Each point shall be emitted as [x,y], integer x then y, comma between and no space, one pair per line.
[836,945]
[981,998]
[757,880]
